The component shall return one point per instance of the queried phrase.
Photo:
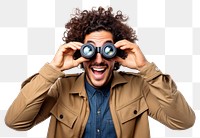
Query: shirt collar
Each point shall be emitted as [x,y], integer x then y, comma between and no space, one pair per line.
[79,85]
[91,90]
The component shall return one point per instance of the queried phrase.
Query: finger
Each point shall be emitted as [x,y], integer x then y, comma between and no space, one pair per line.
[81,60]
[125,44]
[118,59]
[76,44]
[69,48]
[131,46]
[119,43]
[124,47]
[73,45]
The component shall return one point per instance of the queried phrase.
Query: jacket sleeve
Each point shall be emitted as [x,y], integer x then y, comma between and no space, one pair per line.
[166,104]
[34,101]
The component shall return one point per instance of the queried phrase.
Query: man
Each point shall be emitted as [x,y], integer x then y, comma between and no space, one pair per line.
[100,102]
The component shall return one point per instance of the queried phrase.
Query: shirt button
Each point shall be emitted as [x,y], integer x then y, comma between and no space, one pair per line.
[98,112]
[98,130]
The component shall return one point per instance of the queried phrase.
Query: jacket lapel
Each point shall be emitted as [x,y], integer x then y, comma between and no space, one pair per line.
[79,86]
[117,79]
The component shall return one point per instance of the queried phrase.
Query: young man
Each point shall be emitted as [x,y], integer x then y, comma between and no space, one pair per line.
[100,102]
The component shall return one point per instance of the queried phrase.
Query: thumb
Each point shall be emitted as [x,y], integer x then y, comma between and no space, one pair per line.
[119,59]
[81,60]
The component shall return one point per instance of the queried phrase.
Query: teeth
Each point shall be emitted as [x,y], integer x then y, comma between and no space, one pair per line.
[97,69]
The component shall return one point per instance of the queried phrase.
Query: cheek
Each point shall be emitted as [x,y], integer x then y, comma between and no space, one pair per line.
[85,65]
[112,64]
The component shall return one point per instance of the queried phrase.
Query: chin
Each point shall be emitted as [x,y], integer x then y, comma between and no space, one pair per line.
[98,84]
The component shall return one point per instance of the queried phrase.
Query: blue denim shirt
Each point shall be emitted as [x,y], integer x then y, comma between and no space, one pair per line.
[100,124]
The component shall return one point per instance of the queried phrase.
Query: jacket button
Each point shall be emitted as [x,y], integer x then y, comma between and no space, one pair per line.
[61,116]
[135,112]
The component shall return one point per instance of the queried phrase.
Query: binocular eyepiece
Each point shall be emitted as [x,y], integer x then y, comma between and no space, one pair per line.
[108,51]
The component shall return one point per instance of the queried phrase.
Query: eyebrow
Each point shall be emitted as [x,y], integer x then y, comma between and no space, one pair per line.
[89,41]
[92,42]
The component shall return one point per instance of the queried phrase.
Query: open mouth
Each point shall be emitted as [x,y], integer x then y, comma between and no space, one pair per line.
[98,71]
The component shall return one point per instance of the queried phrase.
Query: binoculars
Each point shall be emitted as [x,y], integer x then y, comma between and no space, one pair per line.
[108,51]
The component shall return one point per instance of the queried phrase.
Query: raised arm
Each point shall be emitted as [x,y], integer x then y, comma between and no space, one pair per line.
[166,104]
[33,103]
[38,93]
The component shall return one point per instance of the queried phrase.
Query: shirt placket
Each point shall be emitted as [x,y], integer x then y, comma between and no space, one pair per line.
[98,113]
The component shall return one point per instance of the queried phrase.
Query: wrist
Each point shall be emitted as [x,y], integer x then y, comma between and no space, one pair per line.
[50,73]
[144,66]
[150,71]
[54,66]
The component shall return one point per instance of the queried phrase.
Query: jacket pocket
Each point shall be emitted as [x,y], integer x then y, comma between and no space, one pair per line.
[64,115]
[132,109]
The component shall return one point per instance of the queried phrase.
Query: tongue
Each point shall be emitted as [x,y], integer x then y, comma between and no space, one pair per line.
[97,72]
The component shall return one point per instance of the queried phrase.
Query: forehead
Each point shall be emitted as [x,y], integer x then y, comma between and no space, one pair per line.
[98,37]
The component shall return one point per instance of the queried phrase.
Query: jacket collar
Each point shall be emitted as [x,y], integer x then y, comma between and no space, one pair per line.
[118,79]
[79,85]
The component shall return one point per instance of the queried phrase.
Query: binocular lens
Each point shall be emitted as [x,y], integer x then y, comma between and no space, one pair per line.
[109,51]
[87,51]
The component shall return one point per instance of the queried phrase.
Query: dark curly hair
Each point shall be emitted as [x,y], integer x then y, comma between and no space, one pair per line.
[85,22]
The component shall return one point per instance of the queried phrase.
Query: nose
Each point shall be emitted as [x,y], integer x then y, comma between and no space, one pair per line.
[99,58]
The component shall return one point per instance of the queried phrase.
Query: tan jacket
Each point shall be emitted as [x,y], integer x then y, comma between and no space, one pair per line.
[133,97]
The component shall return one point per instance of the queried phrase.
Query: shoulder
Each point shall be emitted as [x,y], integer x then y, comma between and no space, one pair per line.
[75,75]
[129,74]
[130,77]
[70,80]
[71,77]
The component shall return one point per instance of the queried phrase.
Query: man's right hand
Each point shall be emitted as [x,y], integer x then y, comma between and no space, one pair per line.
[63,58]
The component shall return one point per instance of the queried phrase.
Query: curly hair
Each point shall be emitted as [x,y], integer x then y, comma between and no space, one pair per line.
[85,22]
